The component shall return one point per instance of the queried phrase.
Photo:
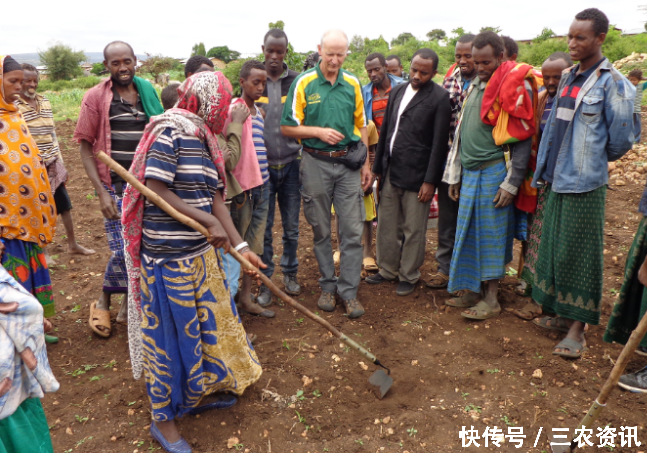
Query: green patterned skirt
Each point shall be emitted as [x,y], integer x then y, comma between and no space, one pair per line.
[534,237]
[570,264]
[632,300]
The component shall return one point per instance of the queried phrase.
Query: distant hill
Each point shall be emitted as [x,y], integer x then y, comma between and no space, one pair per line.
[33,59]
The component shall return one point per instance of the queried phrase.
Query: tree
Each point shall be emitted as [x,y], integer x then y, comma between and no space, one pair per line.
[97,68]
[157,64]
[402,38]
[278,24]
[223,53]
[492,29]
[457,33]
[436,34]
[357,44]
[545,35]
[198,49]
[62,62]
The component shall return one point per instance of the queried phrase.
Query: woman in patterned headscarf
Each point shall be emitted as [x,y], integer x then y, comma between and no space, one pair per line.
[27,212]
[27,217]
[184,330]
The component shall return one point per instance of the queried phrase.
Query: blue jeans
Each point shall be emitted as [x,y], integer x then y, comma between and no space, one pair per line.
[284,185]
[249,214]
[232,271]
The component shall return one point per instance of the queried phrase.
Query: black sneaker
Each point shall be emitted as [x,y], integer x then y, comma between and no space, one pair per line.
[292,287]
[264,298]
[634,382]
[405,288]
[376,279]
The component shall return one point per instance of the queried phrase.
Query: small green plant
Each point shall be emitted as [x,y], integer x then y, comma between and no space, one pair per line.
[89,197]
[286,345]
[538,356]
[472,407]
[316,393]
[562,409]
[301,418]
[464,395]
[412,431]
[300,396]
[614,291]
[300,320]
[84,369]
[511,272]
[140,443]
[511,373]
[496,370]
[132,402]
[81,419]
[75,309]
[506,420]
[359,441]
[238,446]
[111,364]
[96,378]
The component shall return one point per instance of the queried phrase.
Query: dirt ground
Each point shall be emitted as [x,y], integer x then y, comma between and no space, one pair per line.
[313,395]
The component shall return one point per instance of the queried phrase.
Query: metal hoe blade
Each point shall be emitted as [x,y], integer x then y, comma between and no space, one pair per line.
[381,382]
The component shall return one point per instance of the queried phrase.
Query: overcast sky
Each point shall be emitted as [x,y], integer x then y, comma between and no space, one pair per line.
[155,28]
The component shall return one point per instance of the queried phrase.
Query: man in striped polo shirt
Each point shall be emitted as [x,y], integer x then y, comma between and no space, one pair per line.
[112,119]
[37,111]
[325,110]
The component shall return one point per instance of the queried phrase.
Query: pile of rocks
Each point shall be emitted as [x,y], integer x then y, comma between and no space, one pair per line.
[633,58]
[631,168]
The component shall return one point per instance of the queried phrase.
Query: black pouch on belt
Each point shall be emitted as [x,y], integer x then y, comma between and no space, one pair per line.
[354,159]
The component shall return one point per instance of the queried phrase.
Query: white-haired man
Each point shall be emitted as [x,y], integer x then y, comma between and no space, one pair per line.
[324,108]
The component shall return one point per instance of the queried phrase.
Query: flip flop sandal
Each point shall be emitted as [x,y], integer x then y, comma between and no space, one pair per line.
[570,345]
[557,323]
[99,317]
[181,446]
[523,291]
[528,312]
[224,401]
[370,264]
[459,302]
[483,311]
[438,281]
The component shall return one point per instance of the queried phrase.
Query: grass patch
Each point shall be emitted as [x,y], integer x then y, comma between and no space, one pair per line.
[66,104]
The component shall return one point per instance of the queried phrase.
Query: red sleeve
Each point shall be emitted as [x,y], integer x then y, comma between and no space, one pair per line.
[87,126]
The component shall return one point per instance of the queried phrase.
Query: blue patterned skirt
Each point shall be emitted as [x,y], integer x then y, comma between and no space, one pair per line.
[194,341]
[484,234]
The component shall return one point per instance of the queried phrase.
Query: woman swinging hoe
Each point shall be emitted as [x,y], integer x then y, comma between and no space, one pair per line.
[184,330]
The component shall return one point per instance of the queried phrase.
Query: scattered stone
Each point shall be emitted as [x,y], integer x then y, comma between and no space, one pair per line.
[537,374]
[386,420]
[69,431]
[232,441]
[306,381]
[363,366]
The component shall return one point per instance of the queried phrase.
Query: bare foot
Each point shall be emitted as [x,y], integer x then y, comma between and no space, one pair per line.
[5,386]
[47,325]
[104,301]
[78,249]
[251,307]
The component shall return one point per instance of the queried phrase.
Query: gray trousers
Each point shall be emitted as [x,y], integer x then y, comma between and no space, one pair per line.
[325,184]
[447,219]
[401,233]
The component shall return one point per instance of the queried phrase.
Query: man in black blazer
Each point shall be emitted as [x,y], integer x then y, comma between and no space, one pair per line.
[409,158]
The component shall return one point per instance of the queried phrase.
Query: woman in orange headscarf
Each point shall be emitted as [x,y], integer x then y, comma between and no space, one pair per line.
[27,212]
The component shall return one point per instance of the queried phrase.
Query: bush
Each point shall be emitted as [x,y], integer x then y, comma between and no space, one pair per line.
[66,104]
[83,83]
[62,62]
[97,68]
[158,64]
[232,72]
[535,53]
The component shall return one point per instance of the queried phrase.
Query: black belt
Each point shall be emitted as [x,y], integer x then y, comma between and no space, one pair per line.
[339,153]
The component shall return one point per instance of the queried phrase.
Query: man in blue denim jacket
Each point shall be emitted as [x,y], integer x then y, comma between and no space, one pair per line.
[590,124]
